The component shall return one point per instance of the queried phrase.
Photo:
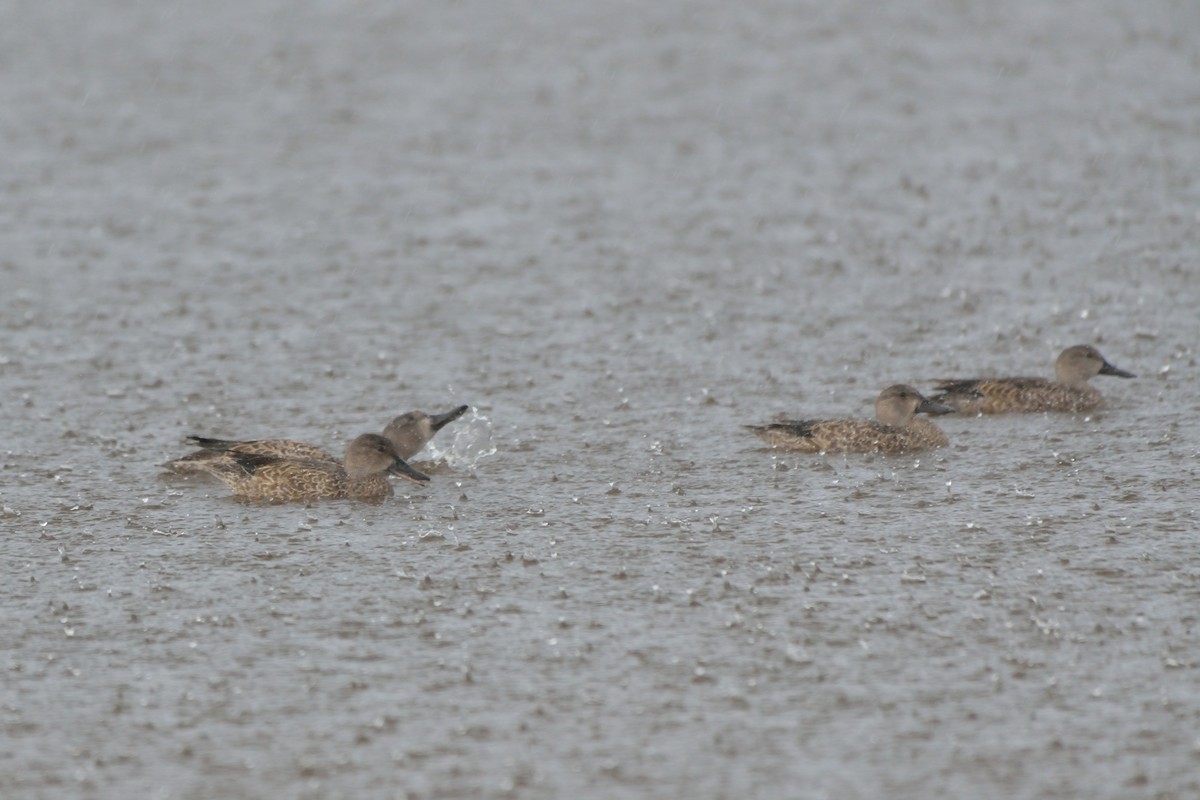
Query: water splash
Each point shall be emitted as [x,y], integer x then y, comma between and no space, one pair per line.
[463,443]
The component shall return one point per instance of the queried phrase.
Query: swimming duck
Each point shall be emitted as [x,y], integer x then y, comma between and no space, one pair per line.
[362,475]
[409,433]
[1069,392]
[895,429]
[412,431]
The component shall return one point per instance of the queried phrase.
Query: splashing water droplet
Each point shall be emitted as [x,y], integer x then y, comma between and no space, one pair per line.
[463,443]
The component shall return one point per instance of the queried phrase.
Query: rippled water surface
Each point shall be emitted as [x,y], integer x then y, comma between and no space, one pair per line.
[619,231]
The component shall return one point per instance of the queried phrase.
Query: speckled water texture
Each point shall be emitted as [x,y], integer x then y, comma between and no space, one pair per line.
[620,231]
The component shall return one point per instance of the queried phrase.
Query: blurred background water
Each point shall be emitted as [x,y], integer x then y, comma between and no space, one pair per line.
[619,231]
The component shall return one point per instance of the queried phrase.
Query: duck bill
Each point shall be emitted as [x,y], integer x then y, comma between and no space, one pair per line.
[929,407]
[1109,369]
[401,468]
[439,421]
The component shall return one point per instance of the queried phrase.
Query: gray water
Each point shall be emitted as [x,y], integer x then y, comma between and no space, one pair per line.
[620,231]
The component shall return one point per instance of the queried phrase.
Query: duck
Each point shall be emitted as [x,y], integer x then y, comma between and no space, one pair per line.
[362,475]
[409,433]
[895,429]
[1069,391]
